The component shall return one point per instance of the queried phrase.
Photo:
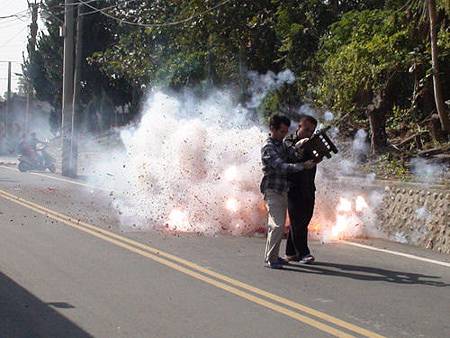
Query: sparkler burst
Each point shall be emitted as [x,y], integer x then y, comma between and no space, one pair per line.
[348,217]
[232,205]
[178,220]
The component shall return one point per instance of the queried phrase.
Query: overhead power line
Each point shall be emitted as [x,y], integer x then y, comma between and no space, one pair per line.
[15,15]
[172,23]
[102,11]
[97,10]
[48,10]
[109,7]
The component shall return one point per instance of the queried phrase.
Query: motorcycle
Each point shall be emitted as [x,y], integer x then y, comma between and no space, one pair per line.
[36,159]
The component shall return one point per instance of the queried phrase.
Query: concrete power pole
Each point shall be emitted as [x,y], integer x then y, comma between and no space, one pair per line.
[77,85]
[8,102]
[31,49]
[67,100]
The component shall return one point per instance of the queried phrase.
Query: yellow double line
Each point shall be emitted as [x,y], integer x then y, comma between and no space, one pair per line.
[266,299]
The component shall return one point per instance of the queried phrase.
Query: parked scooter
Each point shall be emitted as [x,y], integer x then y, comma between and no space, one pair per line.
[36,159]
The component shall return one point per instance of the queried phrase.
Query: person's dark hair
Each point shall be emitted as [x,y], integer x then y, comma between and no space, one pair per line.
[308,118]
[276,121]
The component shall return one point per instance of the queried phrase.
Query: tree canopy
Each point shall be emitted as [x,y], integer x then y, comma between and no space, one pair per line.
[370,59]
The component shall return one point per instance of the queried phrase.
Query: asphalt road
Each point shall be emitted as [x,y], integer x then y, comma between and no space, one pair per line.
[69,269]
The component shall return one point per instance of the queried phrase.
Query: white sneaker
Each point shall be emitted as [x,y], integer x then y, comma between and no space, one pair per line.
[308,259]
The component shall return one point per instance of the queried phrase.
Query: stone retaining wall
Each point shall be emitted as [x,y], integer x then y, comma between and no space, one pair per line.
[414,213]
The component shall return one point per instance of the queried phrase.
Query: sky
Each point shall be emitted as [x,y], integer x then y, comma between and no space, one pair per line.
[13,39]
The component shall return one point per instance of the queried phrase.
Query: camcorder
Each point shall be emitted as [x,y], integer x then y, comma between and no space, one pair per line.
[319,145]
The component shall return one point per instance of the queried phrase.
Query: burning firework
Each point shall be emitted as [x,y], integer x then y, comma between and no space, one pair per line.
[178,220]
[194,166]
[348,217]
[232,205]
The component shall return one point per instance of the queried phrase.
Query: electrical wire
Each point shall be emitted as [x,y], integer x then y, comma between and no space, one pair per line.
[91,12]
[15,15]
[14,22]
[109,7]
[172,23]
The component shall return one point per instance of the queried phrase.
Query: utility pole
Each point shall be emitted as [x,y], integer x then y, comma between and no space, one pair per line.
[67,104]
[77,87]
[8,102]
[31,49]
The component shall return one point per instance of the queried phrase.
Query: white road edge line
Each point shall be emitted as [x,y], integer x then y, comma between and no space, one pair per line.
[59,179]
[368,247]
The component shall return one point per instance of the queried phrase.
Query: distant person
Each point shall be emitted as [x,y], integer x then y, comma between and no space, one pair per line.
[301,196]
[23,147]
[33,141]
[40,155]
[275,186]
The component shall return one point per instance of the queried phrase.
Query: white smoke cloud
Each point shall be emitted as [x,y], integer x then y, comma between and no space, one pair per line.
[261,85]
[328,116]
[306,109]
[423,214]
[359,144]
[426,171]
[191,165]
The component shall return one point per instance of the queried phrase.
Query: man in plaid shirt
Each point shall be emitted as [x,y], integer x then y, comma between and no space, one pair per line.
[275,158]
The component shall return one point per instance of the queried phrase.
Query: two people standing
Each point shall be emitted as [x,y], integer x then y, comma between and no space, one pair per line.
[288,185]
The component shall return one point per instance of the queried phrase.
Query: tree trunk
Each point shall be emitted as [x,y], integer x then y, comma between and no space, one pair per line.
[436,131]
[335,6]
[376,113]
[440,106]
[377,123]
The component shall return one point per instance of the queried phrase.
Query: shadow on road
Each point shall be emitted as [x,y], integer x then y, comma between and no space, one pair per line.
[24,315]
[366,273]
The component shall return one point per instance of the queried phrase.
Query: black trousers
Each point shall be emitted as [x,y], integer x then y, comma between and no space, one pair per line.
[301,209]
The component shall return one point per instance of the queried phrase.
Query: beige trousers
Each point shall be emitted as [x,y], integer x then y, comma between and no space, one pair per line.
[277,204]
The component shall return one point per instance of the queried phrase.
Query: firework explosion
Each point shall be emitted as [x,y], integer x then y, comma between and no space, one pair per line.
[194,166]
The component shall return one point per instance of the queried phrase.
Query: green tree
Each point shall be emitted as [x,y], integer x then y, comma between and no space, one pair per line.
[45,69]
[365,59]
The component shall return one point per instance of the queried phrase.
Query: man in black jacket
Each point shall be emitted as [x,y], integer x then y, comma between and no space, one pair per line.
[301,196]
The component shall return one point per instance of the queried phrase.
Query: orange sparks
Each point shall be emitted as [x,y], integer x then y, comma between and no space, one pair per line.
[347,219]
[340,226]
[315,228]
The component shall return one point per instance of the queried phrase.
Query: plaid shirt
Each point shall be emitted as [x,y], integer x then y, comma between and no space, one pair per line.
[275,156]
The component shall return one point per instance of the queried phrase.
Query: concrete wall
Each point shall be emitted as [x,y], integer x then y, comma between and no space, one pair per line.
[414,213]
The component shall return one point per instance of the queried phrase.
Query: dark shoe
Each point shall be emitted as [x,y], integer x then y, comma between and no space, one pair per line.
[274,265]
[291,258]
[282,261]
[308,259]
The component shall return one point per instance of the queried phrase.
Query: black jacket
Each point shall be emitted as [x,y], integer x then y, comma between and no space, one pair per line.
[301,183]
